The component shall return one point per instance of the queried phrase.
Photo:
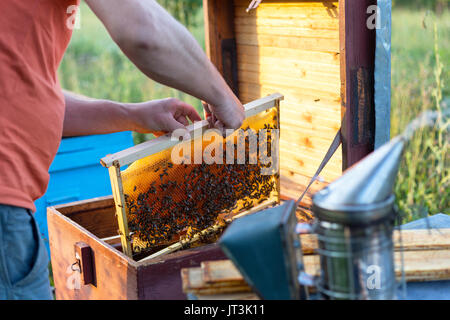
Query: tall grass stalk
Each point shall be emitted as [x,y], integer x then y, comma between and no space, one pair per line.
[422,187]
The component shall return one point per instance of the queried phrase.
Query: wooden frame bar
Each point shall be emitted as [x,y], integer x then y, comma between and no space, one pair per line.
[115,161]
[357,48]
[220,40]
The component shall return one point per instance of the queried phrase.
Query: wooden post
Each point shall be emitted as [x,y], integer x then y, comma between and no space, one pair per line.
[119,199]
[220,40]
[357,51]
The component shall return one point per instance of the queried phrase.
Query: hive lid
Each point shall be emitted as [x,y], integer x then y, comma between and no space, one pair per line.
[369,182]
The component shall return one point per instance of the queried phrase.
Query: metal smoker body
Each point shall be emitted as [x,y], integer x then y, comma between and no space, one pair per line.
[354,223]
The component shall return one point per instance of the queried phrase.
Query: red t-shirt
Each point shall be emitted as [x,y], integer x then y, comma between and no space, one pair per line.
[33,37]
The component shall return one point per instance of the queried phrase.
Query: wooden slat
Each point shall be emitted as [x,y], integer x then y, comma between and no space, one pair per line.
[288,53]
[119,199]
[358,64]
[261,72]
[286,31]
[220,272]
[193,283]
[286,64]
[294,80]
[317,93]
[294,184]
[289,3]
[311,44]
[300,10]
[218,15]
[411,240]
[430,265]
[312,23]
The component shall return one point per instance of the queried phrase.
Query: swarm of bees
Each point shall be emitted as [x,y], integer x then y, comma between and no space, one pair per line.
[183,199]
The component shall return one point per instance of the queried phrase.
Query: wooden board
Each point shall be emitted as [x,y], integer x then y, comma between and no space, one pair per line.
[220,272]
[294,46]
[424,265]
[193,282]
[409,240]
[419,265]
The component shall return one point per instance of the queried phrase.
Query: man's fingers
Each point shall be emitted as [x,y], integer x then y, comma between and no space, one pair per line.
[189,111]
[183,120]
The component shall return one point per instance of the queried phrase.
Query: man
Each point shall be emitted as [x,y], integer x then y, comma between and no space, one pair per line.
[35,112]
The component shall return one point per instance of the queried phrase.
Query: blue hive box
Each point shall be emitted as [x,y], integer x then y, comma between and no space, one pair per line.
[76,172]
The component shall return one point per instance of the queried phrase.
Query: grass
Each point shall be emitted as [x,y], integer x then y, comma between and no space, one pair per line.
[419,79]
[94,66]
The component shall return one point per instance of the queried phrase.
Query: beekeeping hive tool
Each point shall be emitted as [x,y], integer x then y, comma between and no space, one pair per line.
[354,221]
[163,143]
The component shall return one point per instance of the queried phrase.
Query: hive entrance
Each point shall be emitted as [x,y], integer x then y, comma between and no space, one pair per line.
[169,195]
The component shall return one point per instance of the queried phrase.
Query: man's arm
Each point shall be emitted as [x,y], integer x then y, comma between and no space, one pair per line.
[165,51]
[85,116]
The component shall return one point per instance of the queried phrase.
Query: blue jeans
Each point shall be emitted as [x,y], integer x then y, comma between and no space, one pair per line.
[23,257]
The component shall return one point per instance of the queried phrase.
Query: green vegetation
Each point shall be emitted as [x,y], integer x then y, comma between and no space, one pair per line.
[420,49]
[94,66]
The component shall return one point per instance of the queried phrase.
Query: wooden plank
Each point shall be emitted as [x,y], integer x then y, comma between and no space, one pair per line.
[289,3]
[412,240]
[219,31]
[280,74]
[228,296]
[117,189]
[288,53]
[419,266]
[286,31]
[286,64]
[303,43]
[294,184]
[263,77]
[220,272]
[301,163]
[300,10]
[193,283]
[312,23]
[260,89]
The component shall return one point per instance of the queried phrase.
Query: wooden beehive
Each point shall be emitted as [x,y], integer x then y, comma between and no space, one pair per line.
[90,241]
[320,55]
[79,235]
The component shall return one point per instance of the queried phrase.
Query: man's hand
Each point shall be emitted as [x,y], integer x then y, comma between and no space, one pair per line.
[164,115]
[85,116]
[227,116]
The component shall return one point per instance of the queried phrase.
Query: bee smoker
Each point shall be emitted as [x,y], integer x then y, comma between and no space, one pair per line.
[354,225]
[354,221]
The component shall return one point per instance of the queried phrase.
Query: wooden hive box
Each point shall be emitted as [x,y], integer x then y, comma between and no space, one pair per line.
[76,231]
[319,55]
